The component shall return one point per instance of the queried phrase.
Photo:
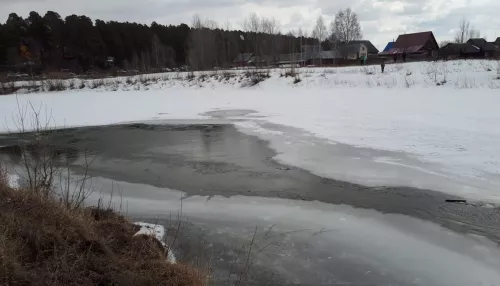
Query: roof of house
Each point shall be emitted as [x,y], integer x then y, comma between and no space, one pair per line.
[483,44]
[411,43]
[243,58]
[350,48]
[478,42]
[261,59]
[498,41]
[294,57]
[491,47]
[414,42]
[453,48]
[308,49]
[371,48]
[388,47]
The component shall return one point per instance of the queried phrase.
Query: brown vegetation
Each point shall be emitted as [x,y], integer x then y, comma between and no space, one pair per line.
[44,243]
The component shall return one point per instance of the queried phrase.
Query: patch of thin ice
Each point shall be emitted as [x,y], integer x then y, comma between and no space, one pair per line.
[158,231]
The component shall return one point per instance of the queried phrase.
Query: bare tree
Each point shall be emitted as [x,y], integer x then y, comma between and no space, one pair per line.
[474,33]
[300,34]
[320,33]
[226,45]
[202,53]
[346,27]
[444,43]
[157,52]
[271,27]
[463,31]
[253,25]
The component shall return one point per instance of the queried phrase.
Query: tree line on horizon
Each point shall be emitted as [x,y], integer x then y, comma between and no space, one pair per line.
[79,44]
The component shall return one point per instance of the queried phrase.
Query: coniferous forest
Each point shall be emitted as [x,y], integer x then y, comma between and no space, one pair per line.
[78,44]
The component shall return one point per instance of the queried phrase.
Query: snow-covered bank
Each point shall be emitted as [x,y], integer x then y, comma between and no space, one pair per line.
[443,115]
[459,74]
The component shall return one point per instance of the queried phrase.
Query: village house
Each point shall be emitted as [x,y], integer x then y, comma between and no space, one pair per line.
[474,48]
[487,49]
[242,59]
[371,49]
[388,47]
[415,45]
[455,51]
[352,51]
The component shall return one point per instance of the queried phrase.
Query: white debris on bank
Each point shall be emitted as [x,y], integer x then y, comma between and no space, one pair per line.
[13,180]
[158,231]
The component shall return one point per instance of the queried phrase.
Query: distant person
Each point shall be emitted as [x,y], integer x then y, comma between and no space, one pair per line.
[404,56]
[382,65]
[361,60]
[395,58]
[365,58]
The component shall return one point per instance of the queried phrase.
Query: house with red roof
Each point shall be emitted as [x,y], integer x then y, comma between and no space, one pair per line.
[421,44]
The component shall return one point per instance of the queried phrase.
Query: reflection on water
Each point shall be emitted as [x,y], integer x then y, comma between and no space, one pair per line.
[210,160]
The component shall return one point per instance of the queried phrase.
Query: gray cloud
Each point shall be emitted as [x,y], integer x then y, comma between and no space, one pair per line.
[381,20]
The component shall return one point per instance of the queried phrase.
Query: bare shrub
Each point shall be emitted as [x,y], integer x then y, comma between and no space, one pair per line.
[143,79]
[398,67]
[330,71]
[3,175]
[32,86]
[115,84]
[190,76]
[498,70]
[81,85]
[178,76]
[41,162]
[290,73]
[432,71]
[37,157]
[486,65]
[96,83]
[368,82]
[202,77]
[129,81]
[465,82]
[71,84]
[297,80]
[254,77]
[227,75]
[54,85]
[409,82]
[391,83]
[368,71]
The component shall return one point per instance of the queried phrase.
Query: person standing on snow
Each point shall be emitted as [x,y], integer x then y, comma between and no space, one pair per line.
[382,65]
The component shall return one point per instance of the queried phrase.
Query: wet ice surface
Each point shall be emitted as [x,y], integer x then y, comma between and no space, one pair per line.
[318,243]
[366,166]
[209,160]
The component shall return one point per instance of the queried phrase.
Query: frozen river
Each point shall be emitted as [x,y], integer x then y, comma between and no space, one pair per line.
[305,228]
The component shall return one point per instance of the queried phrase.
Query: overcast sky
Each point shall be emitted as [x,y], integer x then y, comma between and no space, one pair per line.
[381,20]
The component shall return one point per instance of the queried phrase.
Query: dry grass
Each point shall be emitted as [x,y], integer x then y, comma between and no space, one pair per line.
[43,243]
